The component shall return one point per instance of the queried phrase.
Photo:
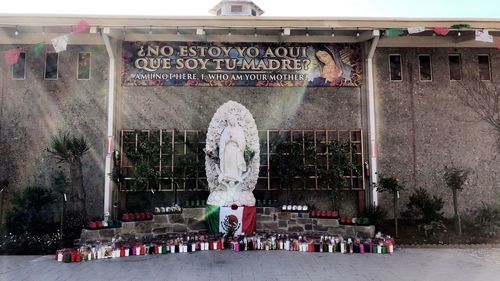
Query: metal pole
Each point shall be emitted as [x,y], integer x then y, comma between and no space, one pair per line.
[110,124]
[371,120]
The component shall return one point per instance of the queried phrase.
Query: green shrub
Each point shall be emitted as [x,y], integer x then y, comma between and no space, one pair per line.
[376,215]
[488,217]
[31,212]
[27,243]
[72,227]
[432,229]
[424,207]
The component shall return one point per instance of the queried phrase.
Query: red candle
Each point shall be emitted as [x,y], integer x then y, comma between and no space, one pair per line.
[143,251]
[78,257]
[156,249]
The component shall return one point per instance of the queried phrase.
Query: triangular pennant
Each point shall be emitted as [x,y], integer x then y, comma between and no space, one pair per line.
[81,27]
[412,30]
[60,43]
[460,26]
[37,49]
[483,37]
[12,56]
[394,32]
[441,30]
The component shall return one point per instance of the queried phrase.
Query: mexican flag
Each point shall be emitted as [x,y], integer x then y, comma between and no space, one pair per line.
[225,219]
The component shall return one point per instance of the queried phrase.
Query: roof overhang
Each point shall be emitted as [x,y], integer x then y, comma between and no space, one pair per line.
[41,28]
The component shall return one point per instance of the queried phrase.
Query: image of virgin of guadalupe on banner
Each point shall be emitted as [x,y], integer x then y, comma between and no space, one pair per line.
[156,63]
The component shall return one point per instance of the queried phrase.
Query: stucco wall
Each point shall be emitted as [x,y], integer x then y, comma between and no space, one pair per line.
[272,108]
[34,109]
[423,126]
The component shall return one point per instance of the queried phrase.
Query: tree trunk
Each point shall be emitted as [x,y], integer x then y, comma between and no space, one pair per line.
[396,213]
[458,220]
[78,195]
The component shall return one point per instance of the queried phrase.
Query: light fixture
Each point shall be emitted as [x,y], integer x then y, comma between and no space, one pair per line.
[282,32]
[333,33]
[16,32]
[150,29]
[200,31]
[307,32]
[459,34]
[229,32]
[178,33]
[255,32]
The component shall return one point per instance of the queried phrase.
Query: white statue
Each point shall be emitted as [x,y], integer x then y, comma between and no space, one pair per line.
[232,146]
[231,177]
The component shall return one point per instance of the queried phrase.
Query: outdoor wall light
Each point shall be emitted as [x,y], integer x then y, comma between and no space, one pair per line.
[200,31]
[333,33]
[178,33]
[255,32]
[307,32]
[229,32]
[16,32]
[150,29]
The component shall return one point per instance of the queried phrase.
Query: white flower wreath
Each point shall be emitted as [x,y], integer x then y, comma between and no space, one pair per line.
[217,125]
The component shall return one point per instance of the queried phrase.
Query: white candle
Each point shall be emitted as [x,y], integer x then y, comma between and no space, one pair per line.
[330,248]
[59,257]
[193,247]
[342,247]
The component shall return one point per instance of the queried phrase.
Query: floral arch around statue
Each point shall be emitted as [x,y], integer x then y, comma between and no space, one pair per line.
[232,156]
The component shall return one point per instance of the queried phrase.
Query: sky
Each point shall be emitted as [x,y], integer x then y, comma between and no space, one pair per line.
[286,8]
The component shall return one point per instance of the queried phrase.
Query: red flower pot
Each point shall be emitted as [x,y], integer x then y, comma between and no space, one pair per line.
[335,214]
[323,214]
[125,217]
[149,216]
[329,214]
[98,224]
[142,216]
[92,225]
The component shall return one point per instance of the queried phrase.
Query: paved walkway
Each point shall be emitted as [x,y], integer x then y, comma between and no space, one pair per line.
[405,264]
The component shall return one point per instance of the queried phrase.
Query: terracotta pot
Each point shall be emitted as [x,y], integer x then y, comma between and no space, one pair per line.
[92,225]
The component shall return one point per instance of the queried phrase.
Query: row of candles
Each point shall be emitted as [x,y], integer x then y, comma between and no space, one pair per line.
[326,244]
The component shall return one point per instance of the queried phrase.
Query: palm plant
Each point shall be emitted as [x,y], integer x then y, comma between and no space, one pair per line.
[70,149]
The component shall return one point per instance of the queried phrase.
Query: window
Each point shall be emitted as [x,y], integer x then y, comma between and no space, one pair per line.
[19,69]
[236,8]
[83,67]
[177,156]
[51,66]
[254,13]
[455,67]
[395,67]
[484,67]
[424,66]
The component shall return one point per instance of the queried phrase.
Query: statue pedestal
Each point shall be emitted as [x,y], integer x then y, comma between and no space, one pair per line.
[225,219]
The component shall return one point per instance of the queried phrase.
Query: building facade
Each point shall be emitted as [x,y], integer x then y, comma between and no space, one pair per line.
[405,114]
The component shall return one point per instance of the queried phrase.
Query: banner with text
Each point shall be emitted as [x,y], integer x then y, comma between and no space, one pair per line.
[241,64]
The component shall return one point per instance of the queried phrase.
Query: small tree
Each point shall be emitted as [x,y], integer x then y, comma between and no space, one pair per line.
[456,179]
[392,186]
[339,166]
[288,162]
[70,149]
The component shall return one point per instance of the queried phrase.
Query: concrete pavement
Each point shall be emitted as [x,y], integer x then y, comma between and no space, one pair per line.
[405,264]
